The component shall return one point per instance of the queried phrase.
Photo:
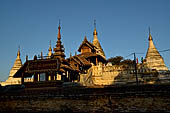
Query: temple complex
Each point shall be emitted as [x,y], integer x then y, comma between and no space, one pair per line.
[153,59]
[89,67]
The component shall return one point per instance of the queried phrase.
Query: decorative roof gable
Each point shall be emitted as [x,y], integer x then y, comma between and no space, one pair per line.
[86,43]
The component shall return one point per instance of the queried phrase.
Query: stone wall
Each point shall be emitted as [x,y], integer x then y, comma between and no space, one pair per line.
[15,81]
[103,75]
[119,74]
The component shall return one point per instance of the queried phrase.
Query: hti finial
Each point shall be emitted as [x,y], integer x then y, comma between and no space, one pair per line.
[59,22]
[26,57]
[94,32]
[50,43]
[50,47]
[18,47]
[59,35]
[41,55]
[150,37]
[94,23]
[70,55]
[18,53]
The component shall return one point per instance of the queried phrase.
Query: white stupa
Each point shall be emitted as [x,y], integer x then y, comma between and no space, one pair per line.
[153,58]
[17,65]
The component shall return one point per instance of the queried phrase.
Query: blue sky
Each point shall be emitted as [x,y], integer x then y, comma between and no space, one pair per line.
[122,27]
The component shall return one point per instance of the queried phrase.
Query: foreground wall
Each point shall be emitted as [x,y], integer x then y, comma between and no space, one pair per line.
[122,99]
[87,104]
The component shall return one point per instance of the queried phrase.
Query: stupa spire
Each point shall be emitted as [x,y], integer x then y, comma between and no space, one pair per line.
[59,49]
[96,42]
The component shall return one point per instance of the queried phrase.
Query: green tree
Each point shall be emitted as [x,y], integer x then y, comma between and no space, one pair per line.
[119,60]
[115,60]
[127,62]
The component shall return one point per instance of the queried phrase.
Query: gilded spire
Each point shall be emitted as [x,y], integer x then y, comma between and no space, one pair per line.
[50,50]
[59,35]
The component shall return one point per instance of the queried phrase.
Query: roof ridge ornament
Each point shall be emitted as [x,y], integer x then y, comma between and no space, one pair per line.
[85,38]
